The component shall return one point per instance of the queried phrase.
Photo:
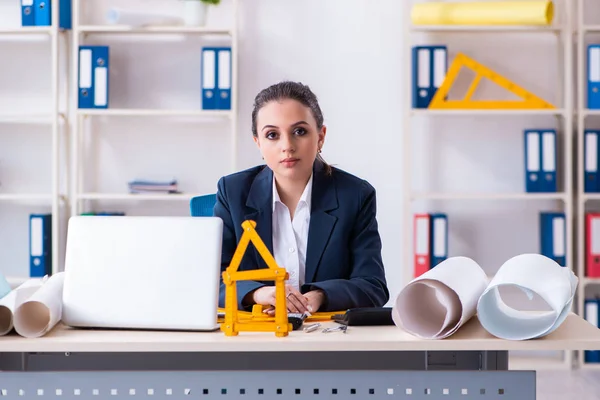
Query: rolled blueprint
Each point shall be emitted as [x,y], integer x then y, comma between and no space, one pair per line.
[42,311]
[524,12]
[139,18]
[437,303]
[10,302]
[532,273]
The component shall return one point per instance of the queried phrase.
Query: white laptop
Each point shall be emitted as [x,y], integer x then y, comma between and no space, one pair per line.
[135,272]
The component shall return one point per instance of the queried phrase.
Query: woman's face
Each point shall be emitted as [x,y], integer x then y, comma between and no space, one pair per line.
[288,138]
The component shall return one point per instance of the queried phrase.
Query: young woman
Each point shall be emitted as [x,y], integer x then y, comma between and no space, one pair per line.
[318,221]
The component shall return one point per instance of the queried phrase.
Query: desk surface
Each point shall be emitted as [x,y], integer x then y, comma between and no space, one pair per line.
[574,334]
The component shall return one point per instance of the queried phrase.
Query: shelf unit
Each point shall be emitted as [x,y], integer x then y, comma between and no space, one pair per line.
[55,120]
[80,32]
[582,30]
[562,32]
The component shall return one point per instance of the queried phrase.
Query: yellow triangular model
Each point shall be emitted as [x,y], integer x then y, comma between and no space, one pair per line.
[529,101]
[232,323]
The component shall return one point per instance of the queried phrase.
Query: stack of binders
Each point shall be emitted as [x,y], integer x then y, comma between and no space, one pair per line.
[540,161]
[39,13]
[216,78]
[93,76]
[430,241]
[153,187]
[430,64]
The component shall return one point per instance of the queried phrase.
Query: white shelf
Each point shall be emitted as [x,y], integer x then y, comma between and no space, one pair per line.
[486,28]
[590,366]
[27,30]
[433,112]
[25,196]
[587,112]
[591,28]
[33,119]
[488,196]
[137,197]
[124,29]
[123,112]
[590,196]
[590,281]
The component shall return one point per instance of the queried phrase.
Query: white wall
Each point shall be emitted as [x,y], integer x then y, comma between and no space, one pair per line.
[350,52]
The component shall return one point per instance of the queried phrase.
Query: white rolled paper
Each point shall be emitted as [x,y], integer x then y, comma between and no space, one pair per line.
[532,273]
[41,312]
[138,18]
[10,302]
[437,303]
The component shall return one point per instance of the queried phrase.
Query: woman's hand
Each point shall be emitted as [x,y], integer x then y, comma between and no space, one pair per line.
[315,299]
[296,302]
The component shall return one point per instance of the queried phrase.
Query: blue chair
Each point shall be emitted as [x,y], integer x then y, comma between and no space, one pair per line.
[202,206]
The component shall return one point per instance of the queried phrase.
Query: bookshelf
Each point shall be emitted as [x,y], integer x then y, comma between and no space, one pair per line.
[31,119]
[586,32]
[87,196]
[428,126]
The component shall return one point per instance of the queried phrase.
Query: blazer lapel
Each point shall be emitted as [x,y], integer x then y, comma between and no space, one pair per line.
[324,199]
[260,199]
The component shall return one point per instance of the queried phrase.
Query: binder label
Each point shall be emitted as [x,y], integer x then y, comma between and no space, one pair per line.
[591,152]
[595,239]
[548,161]
[208,78]
[36,237]
[101,79]
[424,69]
[439,67]
[85,69]
[558,230]
[224,73]
[533,152]
[439,237]
[27,3]
[422,236]
[594,71]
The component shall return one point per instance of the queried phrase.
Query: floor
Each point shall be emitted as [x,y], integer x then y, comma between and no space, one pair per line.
[567,385]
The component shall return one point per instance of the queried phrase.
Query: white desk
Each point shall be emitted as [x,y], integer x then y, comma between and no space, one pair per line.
[574,334]
[364,363]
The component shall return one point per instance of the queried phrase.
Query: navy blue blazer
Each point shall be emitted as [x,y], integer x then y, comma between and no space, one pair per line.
[343,256]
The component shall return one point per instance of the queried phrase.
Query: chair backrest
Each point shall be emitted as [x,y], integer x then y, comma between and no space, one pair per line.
[202,206]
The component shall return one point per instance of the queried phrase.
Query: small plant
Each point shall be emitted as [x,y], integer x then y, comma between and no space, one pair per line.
[213,2]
